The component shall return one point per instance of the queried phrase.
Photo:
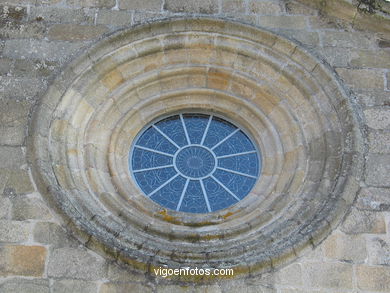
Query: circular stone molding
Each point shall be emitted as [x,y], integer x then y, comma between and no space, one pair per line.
[291,104]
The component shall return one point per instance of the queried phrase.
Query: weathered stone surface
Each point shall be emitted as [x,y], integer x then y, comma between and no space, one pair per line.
[364,222]
[362,78]
[378,250]
[75,263]
[378,170]
[379,141]
[22,260]
[19,285]
[372,98]
[124,287]
[11,157]
[51,51]
[174,289]
[25,208]
[328,275]
[293,7]
[377,118]
[92,3]
[73,286]
[345,248]
[152,5]
[5,207]
[114,18]
[201,6]
[286,22]
[14,231]
[53,234]
[375,199]
[21,88]
[118,273]
[342,39]
[373,278]
[19,181]
[264,7]
[370,59]
[233,6]
[13,121]
[61,15]
[291,275]
[73,32]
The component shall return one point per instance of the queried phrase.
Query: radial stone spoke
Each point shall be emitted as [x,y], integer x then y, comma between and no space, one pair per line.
[226,138]
[205,196]
[225,187]
[166,136]
[161,186]
[236,172]
[182,195]
[206,130]
[236,154]
[152,168]
[152,150]
[185,129]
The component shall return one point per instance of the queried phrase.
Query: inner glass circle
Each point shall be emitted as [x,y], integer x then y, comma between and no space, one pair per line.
[195,163]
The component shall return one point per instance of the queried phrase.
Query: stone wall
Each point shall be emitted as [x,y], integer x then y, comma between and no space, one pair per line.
[39,38]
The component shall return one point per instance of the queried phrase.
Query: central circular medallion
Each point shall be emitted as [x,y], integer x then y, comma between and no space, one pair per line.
[195,162]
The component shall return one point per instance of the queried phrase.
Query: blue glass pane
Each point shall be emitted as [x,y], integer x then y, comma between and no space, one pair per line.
[152,139]
[237,143]
[248,164]
[217,131]
[195,163]
[169,195]
[193,201]
[143,159]
[151,180]
[196,125]
[218,197]
[173,128]
[238,184]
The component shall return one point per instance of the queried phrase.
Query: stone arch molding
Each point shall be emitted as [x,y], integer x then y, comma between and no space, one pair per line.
[290,103]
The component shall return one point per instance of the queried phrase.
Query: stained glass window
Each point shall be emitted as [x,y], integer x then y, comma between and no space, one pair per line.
[195,163]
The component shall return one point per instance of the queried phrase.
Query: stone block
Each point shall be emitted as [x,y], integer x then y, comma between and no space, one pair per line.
[13,121]
[293,7]
[117,273]
[373,278]
[14,231]
[264,7]
[364,222]
[34,30]
[233,6]
[378,170]
[377,118]
[310,39]
[290,275]
[150,5]
[34,68]
[201,6]
[19,181]
[22,260]
[145,16]
[19,285]
[378,250]
[362,78]
[372,98]
[338,57]
[25,208]
[5,207]
[328,275]
[371,59]
[21,88]
[124,287]
[11,157]
[375,199]
[379,142]
[53,234]
[51,51]
[342,39]
[74,32]
[76,263]
[92,3]
[286,22]
[345,248]
[12,13]
[174,289]
[73,286]
[114,18]
[61,15]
